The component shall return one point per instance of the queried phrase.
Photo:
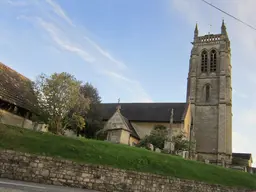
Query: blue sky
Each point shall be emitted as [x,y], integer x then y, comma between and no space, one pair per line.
[135,50]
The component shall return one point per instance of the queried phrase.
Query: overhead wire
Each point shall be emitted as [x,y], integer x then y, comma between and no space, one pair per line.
[226,13]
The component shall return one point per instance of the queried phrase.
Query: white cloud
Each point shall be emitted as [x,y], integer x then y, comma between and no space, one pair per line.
[63,42]
[240,94]
[243,141]
[118,76]
[106,54]
[59,11]
[191,11]
[139,95]
[66,36]
[247,119]
[243,144]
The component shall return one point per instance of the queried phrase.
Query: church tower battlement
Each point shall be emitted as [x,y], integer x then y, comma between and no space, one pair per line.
[209,90]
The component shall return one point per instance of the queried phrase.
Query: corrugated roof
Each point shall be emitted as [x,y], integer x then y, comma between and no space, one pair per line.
[246,156]
[149,112]
[16,89]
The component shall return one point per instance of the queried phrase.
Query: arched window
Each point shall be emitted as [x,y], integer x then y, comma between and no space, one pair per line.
[207,92]
[213,63]
[204,61]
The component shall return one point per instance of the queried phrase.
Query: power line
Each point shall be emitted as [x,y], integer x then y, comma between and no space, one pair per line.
[239,20]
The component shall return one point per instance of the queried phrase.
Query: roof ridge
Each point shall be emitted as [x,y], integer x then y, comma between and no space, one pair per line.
[128,124]
[3,66]
[146,112]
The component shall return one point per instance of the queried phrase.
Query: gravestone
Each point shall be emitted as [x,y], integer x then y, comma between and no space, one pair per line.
[206,161]
[169,146]
[158,150]
[185,154]
[151,147]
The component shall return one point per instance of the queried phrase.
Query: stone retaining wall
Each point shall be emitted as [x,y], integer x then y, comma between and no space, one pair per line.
[47,170]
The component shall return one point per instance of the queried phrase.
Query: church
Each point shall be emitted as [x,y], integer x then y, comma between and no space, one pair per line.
[205,116]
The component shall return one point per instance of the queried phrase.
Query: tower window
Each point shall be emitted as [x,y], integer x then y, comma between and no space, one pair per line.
[204,62]
[207,92]
[213,63]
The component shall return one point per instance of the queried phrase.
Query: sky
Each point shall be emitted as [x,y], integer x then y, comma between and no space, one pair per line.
[135,50]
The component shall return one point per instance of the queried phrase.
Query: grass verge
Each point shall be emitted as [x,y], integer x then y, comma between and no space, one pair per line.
[119,156]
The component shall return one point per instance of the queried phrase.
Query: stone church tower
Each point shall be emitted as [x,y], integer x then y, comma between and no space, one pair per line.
[209,91]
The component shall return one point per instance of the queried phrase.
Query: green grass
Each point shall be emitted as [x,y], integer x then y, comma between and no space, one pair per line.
[119,156]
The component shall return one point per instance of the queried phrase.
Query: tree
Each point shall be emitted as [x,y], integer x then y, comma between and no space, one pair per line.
[57,95]
[157,137]
[75,122]
[93,117]
[181,143]
[89,91]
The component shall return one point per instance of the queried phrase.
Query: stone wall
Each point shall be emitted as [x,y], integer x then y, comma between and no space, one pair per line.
[15,120]
[47,170]
[18,121]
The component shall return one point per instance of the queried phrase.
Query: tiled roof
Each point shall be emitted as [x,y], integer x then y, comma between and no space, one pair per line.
[149,112]
[16,89]
[246,156]
[133,131]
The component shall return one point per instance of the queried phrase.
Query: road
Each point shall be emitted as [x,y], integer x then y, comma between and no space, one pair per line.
[19,186]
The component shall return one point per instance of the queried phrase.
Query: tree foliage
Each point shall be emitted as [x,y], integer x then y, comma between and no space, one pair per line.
[57,95]
[181,143]
[157,137]
[75,122]
[93,117]
[89,91]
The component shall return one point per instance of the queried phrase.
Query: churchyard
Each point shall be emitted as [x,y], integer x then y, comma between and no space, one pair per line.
[119,156]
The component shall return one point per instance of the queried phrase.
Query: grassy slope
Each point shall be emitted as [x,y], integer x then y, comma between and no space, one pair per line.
[119,156]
